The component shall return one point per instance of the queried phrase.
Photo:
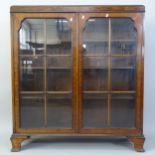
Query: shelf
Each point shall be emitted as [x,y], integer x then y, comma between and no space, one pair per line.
[32,97]
[107,55]
[99,95]
[58,68]
[110,68]
[59,55]
[51,95]
[31,92]
[69,68]
[112,98]
[123,55]
[106,41]
[41,45]
[85,55]
[94,92]
[123,92]
[111,92]
[42,92]
[59,92]
[36,68]
[48,68]
[123,40]
[31,55]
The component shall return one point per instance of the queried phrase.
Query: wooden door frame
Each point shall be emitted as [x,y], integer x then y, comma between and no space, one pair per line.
[16,21]
[138,21]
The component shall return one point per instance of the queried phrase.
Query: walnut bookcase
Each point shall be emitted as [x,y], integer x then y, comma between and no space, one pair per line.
[78,71]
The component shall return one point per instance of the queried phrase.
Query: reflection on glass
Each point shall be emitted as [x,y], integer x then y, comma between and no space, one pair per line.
[123,36]
[31,62]
[32,36]
[95,36]
[58,36]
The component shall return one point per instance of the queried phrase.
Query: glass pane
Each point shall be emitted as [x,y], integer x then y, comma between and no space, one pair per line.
[59,73]
[29,79]
[123,73]
[59,62]
[58,36]
[31,37]
[59,80]
[32,114]
[31,62]
[122,110]
[31,50]
[95,73]
[123,36]
[59,111]
[123,79]
[125,62]
[95,111]
[91,62]
[95,37]
[95,80]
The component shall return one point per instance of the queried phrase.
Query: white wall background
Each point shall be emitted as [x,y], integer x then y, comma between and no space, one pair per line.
[5,75]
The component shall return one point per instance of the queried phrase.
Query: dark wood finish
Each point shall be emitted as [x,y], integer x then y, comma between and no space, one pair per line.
[104,8]
[17,141]
[138,143]
[77,17]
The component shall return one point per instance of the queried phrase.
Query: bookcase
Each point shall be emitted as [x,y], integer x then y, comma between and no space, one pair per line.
[77,71]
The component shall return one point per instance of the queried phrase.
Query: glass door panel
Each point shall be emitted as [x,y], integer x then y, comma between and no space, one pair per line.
[109,47]
[45,73]
[95,73]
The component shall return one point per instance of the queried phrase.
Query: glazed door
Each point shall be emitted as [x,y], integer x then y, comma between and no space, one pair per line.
[108,73]
[46,53]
